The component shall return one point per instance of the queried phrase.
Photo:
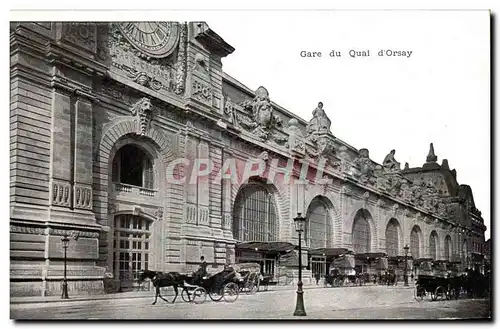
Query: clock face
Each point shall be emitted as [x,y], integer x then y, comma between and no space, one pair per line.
[155,39]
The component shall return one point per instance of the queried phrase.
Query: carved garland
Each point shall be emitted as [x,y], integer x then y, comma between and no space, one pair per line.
[181,61]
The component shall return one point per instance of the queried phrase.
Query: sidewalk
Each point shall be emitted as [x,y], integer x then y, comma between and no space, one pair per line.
[150,294]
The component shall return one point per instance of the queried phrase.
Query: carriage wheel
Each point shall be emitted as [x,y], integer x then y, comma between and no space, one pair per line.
[357,282]
[337,282]
[419,293]
[169,297]
[216,294]
[252,288]
[199,295]
[186,296]
[440,293]
[230,292]
[346,282]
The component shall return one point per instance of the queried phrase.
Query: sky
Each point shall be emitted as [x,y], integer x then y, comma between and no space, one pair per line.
[440,93]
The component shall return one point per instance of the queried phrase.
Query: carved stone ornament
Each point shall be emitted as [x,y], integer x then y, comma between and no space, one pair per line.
[159,213]
[347,190]
[75,235]
[229,109]
[180,77]
[380,203]
[202,92]
[363,168]
[296,141]
[81,34]
[135,60]
[395,209]
[142,109]
[260,117]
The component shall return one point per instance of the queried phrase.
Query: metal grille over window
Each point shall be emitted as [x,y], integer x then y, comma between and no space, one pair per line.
[415,243]
[255,216]
[131,254]
[361,233]
[318,228]
[392,238]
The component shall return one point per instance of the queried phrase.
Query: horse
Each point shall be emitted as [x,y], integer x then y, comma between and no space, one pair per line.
[160,280]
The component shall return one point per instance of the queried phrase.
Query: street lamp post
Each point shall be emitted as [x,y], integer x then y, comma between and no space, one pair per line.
[406,266]
[299,227]
[65,242]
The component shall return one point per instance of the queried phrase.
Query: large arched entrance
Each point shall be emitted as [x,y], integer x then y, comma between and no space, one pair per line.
[392,238]
[361,234]
[448,251]
[131,247]
[318,233]
[415,242]
[256,226]
[433,245]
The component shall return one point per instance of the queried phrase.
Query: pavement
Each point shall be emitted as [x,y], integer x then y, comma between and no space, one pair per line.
[366,302]
[149,293]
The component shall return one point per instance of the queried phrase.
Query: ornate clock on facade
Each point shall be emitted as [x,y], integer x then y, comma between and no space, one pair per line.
[154,39]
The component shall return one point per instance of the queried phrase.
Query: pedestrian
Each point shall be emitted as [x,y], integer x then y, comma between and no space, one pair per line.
[318,276]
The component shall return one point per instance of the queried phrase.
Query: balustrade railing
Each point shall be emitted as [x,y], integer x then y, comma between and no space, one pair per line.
[134,190]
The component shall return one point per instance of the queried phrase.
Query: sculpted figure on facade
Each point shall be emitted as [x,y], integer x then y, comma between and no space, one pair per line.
[390,163]
[363,168]
[319,135]
[261,112]
[319,124]
[142,110]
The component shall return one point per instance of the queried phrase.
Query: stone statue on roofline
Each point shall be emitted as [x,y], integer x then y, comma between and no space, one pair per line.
[319,124]
[390,163]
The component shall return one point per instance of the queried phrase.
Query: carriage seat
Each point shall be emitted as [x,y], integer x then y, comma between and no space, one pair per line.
[187,285]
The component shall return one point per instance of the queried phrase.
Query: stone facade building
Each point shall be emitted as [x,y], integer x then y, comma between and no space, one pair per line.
[109,121]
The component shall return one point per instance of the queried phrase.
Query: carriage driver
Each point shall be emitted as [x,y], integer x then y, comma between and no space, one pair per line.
[202,270]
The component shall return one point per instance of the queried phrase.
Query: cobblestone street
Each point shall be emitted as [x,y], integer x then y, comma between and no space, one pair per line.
[369,302]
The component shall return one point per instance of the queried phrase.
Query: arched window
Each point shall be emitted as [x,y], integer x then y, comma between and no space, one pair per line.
[433,243]
[415,242]
[448,252]
[392,238]
[254,215]
[131,246]
[318,226]
[361,236]
[133,166]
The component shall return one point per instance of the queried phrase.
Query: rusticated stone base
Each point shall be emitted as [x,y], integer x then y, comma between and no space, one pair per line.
[27,288]
[54,288]
[76,287]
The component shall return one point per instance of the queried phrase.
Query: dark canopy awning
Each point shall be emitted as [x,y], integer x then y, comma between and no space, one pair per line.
[329,251]
[370,255]
[398,259]
[266,246]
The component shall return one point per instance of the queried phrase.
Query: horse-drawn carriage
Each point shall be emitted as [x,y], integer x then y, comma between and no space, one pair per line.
[437,287]
[251,277]
[338,279]
[195,288]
